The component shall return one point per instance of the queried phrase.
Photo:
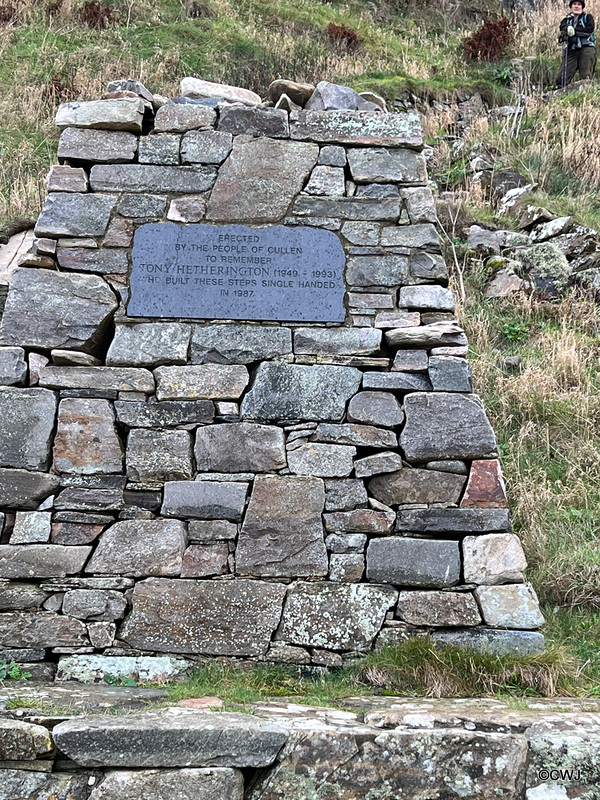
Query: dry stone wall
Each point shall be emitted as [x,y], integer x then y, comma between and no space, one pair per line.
[236,413]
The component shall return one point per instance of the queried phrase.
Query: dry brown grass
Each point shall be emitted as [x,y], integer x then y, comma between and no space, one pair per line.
[537,33]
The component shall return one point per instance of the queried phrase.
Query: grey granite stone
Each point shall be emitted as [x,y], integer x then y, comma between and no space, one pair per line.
[255,121]
[510,606]
[363,128]
[206,147]
[351,208]
[352,434]
[20,488]
[383,165]
[196,88]
[102,262]
[122,114]
[26,427]
[344,494]
[69,214]
[410,361]
[201,784]
[493,642]
[240,447]
[332,155]
[322,460]
[438,334]
[178,118]
[205,499]
[142,206]
[30,785]
[379,191]
[211,530]
[426,297]
[346,567]
[408,486]
[326,181]
[99,605]
[450,374]
[453,520]
[493,559]
[149,344]
[423,236]
[375,408]
[428,266]
[420,204]
[336,341]
[20,597]
[413,562]
[151,178]
[205,560]
[239,344]
[161,455]
[119,379]
[187,208]
[66,179]
[13,367]
[41,629]
[361,233]
[23,741]
[439,609]
[139,548]
[86,440]
[377,464]
[31,527]
[41,560]
[202,382]
[162,148]
[388,270]
[396,381]
[170,413]
[346,542]
[331,96]
[80,144]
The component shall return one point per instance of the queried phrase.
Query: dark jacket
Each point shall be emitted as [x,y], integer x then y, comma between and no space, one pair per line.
[584,27]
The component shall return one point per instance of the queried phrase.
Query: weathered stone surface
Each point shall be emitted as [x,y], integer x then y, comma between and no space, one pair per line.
[326,181]
[31,527]
[201,784]
[211,530]
[455,520]
[334,617]
[344,495]
[20,596]
[417,486]
[254,121]
[377,270]
[441,609]
[206,147]
[428,266]
[364,300]
[493,559]
[564,758]
[361,233]
[13,367]
[139,548]
[26,426]
[190,208]
[332,96]
[75,533]
[380,191]
[179,117]
[142,206]
[413,562]
[422,236]
[450,374]
[485,488]
[71,310]
[22,741]
[205,499]
[234,618]
[27,785]
[240,447]
[73,358]
[102,634]
[352,434]
[149,344]
[94,604]
[381,165]
[510,606]
[361,520]
[396,381]
[446,425]
[97,145]
[103,262]
[346,568]
[205,560]
[290,391]
[82,498]
[159,455]
[332,155]
[22,489]
[162,148]
[151,178]
[67,214]
[377,464]
[118,379]
[354,208]
[239,344]
[86,440]
[322,460]
[146,669]
[420,204]
[366,128]
[66,179]
[494,642]
[202,382]
[282,534]
[426,297]
[346,542]
[259,180]
[375,408]
[41,560]
[139,414]
[336,341]
[196,89]
[42,629]
[438,334]
[124,114]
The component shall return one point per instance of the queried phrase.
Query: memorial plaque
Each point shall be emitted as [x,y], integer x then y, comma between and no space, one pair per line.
[236,272]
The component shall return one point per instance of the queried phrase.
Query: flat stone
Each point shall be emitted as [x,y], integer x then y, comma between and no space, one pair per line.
[282,534]
[450,374]
[202,382]
[353,434]
[332,155]
[409,486]
[31,527]
[20,488]
[335,341]
[201,784]
[205,560]
[240,447]
[360,128]
[139,548]
[346,543]
[438,334]
[149,344]
[421,236]
[378,190]
[493,559]
[455,520]
[410,361]
[346,568]
[386,270]
[239,344]
[258,121]
[331,96]
[31,785]
[211,530]
[344,494]
[260,179]
[426,297]
[493,642]
[420,204]
[162,148]
[86,440]
[326,181]
[94,604]
[170,413]
[80,144]
[179,118]
[510,606]
[41,629]
[485,488]
[159,456]
[119,379]
[322,460]
[102,262]
[142,206]
[26,427]
[22,741]
[75,533]
[440,609]
[446,425]
[449,465]
[290,391]
[375,408]
[123,114]
[206,147]
[361,233]
[335,617]
[66,179]
[352,208]
[73,358]
[69,214]
[13,367]
[205,499]
[189,208]
[361,520]
[151,178]
[413,562]
[142,669]
[20,597]
[377,464]
[41,560]
[370,300]
[428,266]
[229,618]
[383,165]
[196,88]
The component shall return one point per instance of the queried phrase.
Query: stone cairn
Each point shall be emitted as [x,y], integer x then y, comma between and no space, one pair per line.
[293,492]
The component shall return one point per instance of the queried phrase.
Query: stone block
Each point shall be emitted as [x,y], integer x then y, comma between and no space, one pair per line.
[493,642]
[380,191]
[362,233]
[123,114]
[361,520]
[282,534]
[450,374]
[377,270]
[75,532]
[398,319]
[31,785]
[417,236]
[332,156]
[22,741]
[239,344]
[370,300]
[73,358]
[439,609]
[438,334]
[351,208]
[100,379]
[334,617]
[383,165]
[102,262]
[326,181]
[31,527]
[485,488]
[26,427]
[159,456]
[202,382]
[71,310]
[206,147]
[179,118]
[346,567]
[453,520]
[149,344]
[375,408]
[142,669]
[377,464]
[257,121]
[162,148]
[102,634]
[346,543]
[189,208]
[41,629]
[80,144]
[211,530]
[66,179]
[336,341]
[409,486]
[218,618]
[396,381]
[370,129]
[201,784]
[168,414]
[13,367]
[426,297]
[353,434]
[428,266]
[86,440]
[20,488]
[138,548]
[142,206]
[344,494]
[151,178]
[69,214]
[100,605]
[510,606]
[413,562]
[446,425]
[493,559]
[420,204]
[290,391]
[205,560]
[20,597]
[240,447]
[198,89]
[205,499]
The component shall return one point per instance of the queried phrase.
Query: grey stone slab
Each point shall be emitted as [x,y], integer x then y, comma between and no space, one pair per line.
[422,236]
[329,96]
[236,272]
[437,334]
[510,606]
[73,358]
[66,179]
[322,460]
[26,427]
[13,367]
[426,297]
[162,148]
[353,434]
[450,374]
[377,464]
[80,144]
[170,413]
[282,534]
[159,455]
[206,147]
[239,344]
[30,785]
[255,121]
[102,262]
[378,190]
[142,206]
[361,520]
[213,530]
[178,118]
[20,597]
[413,562]
[493,642]
[41,560]
[289,391]
[123,114]
[346,567]
[453,520]
[196,88]
[326,181]
[336,341]
[346,542]
[446,425]
[370,300]
[420,204]
[240,447]
[201,382]
[410,361]
[89,669]
[375,408]
[335,617]
[377,270]
[440,609]
[408,486]
[140,548]
[234,618]
[20,488]
[332,155]
[41,629]
[359,128]
[396,381]
[31,527]
[205,560]
[84,499]
[383,165]
[344,494]
[351,208]
[362,233]
[72,214]
[86,440]
[187,208]
[149,344]
[104,605]
[493,559]
[205,499]
[428,266]
[119,379]
[201,784]
[151,178]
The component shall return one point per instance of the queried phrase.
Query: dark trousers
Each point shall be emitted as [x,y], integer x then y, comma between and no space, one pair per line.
[582,60]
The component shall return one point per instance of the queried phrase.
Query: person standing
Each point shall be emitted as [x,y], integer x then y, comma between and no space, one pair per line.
[579,45]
